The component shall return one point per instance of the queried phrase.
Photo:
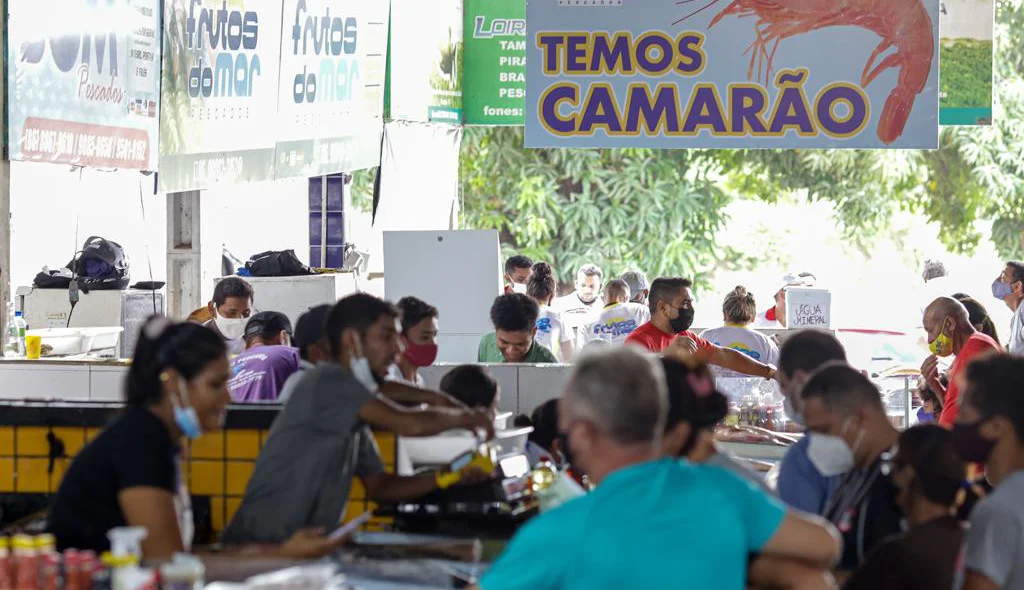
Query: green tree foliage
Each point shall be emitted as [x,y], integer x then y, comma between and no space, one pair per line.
[661,209]
[655,209]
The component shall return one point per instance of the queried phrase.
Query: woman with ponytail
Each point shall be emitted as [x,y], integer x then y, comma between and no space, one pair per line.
[551,332]
[130,475]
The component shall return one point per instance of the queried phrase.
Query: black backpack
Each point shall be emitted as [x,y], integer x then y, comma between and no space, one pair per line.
[101,265]
[277,264]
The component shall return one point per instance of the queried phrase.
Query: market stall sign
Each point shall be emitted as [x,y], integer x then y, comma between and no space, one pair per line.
[808,308]
[494,75]
[331,95]
[425,61]
[219,92]
[965,78]
[83,81]
[732,74]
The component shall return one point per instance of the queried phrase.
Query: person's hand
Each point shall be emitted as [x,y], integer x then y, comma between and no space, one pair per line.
[682,346]
[477,420]
[930,368]
[311,544]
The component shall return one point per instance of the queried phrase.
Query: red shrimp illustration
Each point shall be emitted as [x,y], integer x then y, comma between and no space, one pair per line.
[903,24]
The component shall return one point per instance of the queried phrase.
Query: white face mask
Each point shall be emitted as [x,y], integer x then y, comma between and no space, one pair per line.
[360,367]
[232,329]
[519,288]
[831,455]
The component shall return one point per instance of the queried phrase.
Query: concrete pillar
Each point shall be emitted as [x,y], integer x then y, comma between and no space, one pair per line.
[184,254]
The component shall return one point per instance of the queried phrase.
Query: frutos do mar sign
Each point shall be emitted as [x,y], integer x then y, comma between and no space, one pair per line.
[732,73]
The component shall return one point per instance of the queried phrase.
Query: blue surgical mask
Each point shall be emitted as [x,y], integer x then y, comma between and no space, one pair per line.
[185,417]
[1001,290]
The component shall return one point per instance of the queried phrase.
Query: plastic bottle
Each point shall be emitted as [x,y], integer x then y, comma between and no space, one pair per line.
[6,572]
[22,327]
[72,570]
[25,563]
[10,333]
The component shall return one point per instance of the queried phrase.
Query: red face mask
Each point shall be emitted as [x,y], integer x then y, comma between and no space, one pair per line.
[420,355]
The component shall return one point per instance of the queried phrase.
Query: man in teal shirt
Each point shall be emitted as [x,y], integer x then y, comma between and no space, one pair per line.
[652,522]
[514,317]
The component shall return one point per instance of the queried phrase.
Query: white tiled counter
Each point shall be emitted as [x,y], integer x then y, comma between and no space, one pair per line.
[61,379]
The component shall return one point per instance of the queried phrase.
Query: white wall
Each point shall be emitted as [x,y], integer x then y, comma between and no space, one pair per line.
[48,201]
[253,218]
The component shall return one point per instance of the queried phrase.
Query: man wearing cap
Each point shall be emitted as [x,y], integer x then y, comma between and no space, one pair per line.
[775,317]
[639,288]
[259,373]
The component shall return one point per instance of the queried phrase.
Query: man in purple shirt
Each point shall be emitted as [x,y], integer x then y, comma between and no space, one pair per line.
[259,373]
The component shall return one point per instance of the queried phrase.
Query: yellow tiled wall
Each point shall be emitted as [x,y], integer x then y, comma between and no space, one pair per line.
[219,466]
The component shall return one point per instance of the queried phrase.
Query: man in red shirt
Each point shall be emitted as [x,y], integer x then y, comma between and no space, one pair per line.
[950,332]
[671,303]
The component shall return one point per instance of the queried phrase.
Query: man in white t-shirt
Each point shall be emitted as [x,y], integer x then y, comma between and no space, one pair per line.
[578,308]
[618,319]
[738,311]
[1009,288]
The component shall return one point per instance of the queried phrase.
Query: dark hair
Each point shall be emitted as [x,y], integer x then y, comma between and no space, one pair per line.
[310,328]
[514,312]
[544,421]
[541,285]
[978,315]
[664,288]
[266,325]
[807,350]
[928,449]
[927,395]
[518,261]
[842,388]
[1018,270]
[471,385]
[701,409]
[996,388]
[414,311]
[231,287]
[358,312]
[187,348]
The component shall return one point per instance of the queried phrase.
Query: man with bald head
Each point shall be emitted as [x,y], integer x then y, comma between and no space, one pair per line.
[950,333]
[618,319]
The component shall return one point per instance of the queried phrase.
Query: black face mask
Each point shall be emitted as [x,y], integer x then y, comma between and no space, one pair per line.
[683,321]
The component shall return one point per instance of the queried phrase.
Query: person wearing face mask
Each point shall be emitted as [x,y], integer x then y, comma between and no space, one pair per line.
[1009,288]
[950,332]
[647,509]
[844,411]
[419,340]
[578,307]
[259,373]
[515,326]
[230,309]
[668,332]
[806,480]
[322,438]
[928,475]
[990,430]
[130,475]
[517,273]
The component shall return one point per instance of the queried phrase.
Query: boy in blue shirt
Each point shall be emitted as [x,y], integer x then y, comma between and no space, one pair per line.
[652,522]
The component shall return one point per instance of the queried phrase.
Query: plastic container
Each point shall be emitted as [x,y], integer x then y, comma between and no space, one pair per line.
[21,326]
[26,565]
[185,572]
[10,333]
[6,565]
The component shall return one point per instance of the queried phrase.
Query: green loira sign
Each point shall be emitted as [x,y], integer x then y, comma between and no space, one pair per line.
[494,78]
